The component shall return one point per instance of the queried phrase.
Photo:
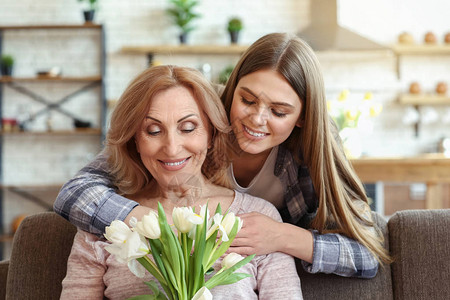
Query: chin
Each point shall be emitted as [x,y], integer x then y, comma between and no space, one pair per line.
[251,148]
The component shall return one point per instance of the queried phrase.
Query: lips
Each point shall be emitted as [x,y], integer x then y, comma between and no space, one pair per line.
[256,134]
[173,165]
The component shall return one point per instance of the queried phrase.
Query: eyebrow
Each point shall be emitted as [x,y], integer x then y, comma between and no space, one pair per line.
[180,120]
[278,103]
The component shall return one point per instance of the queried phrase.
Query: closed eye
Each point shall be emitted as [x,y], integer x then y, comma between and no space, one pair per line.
[247,102]
[187,127]
[153,130]
[279,114]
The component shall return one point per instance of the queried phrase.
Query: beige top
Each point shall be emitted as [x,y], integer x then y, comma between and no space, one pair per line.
[265,178]
[93,273]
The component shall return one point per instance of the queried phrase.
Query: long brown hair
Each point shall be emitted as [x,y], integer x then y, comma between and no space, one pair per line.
[126,166]
[314,144]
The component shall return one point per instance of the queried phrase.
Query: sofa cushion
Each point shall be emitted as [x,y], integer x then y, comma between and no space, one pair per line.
[39,255]
[420,245]
[330,286]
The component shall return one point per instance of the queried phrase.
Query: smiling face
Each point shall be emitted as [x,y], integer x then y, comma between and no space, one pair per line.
[173,138]
[264,111]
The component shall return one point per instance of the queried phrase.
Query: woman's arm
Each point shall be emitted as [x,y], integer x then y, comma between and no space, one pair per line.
[326,253]
[277,278]
[90,201]
[338,254]
[84,278]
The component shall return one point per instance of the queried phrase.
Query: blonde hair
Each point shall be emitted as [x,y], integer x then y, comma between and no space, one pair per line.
[127,169]
[335,182]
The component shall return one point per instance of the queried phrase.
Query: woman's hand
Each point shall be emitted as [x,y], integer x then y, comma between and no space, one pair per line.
[259,235]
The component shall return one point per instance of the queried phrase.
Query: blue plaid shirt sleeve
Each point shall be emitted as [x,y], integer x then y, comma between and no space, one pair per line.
[337,254]
[90,201]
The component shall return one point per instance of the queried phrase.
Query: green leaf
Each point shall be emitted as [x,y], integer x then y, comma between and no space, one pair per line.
[218,209]
[233,278]
[154,287]
[144,297]
[149,267]
[218,279]
[171,246]
[199,250]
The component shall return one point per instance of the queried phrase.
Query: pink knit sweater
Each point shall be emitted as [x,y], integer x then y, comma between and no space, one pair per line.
[93,273]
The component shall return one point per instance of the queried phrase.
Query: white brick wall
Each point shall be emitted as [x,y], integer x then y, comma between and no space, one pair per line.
[139,22]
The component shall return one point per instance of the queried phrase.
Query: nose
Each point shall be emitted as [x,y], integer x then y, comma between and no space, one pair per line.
[260,116]
[172,144]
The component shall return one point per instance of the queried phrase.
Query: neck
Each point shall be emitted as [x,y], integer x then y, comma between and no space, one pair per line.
[246,166]
[190,192]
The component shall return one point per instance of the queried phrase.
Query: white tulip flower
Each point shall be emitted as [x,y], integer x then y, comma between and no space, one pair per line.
[203,294]
[231,259]
[149,226]
[228,223]
[117,232]
[134,246]
[185,219]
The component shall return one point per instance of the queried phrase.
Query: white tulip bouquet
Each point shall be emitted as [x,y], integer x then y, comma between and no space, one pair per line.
[180,260]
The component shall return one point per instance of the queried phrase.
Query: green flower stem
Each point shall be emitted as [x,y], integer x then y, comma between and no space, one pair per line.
[171,250]
[200,240]
[186,252]
[224,245]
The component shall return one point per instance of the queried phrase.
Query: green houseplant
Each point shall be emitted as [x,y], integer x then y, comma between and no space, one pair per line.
[182,14]
[90,8]
[225,74]
[234,27]
[6,64]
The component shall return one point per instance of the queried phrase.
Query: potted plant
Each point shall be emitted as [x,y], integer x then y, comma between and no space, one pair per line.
[183,15]
[234,27]
[89,10]
[225,74]
[6,64]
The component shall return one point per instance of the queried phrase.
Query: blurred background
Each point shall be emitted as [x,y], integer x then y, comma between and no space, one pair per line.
[386,66]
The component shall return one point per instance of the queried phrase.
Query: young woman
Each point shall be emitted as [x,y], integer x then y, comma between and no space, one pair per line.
[168,136]
[285,151]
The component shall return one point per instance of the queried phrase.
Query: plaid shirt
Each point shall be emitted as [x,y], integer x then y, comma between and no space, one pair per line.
[90,201]
[333,253]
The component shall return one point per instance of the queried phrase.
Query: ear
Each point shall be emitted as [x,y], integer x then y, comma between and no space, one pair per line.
[299,123]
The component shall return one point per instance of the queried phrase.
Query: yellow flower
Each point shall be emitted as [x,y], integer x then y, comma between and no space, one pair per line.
[368,96]
[343,95]
[351,114]
[375,109]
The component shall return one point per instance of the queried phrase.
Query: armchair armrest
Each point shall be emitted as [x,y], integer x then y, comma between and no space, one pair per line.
[4,265]
[420,246]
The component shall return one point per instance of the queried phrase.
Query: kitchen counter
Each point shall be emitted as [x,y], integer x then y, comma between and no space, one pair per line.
[432,169]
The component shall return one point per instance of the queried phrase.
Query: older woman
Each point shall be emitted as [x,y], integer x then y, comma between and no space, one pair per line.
[167,143]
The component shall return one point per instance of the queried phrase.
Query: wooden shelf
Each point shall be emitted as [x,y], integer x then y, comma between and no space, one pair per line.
[424,99]
[432,169]
[50,26]
[86,131]
[48,78]
[422,49]
[185,49]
